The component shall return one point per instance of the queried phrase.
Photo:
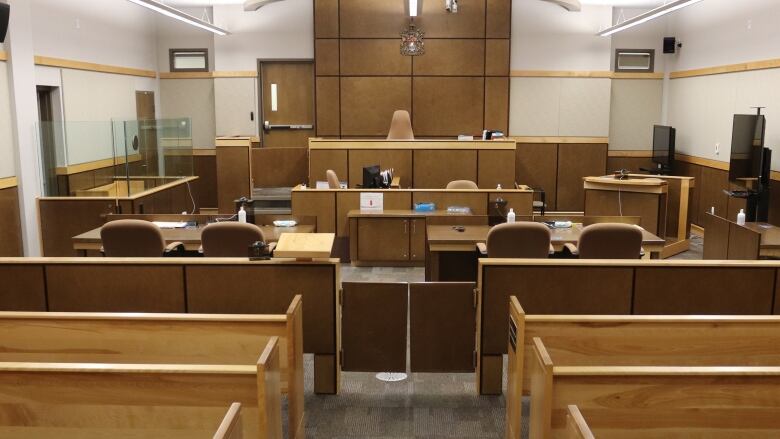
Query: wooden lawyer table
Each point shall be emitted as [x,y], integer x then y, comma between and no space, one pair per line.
[457,250]
[190,237]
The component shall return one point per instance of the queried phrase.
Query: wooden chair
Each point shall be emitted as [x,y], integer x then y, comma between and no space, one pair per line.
[207,342]
[231,239]
[608,241]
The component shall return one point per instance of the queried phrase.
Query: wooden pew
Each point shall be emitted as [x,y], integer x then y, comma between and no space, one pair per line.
[150,339]
[711,400]
[90,400]
[576,426]
[597,340]
[231,426]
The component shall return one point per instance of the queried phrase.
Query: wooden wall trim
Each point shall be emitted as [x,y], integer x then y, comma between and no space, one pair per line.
[93,67]
[630,154]
[3,55]
[204,152]
[729,68]
[8,182]
[715,164]
[97,164]
[552,139]
[209,75]
[583,74]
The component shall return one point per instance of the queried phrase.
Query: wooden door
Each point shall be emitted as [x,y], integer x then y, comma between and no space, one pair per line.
[417,239]
[383,239]
[147,133]
[287,103]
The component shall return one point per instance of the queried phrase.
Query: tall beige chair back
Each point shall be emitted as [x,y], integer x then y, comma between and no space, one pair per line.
[610,241]
[333,179]
[132,238]
[462,184]
[519,240]
[229,239]
[401,126]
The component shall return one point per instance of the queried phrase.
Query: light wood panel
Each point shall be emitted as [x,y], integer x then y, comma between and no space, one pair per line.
[729,68]
[92,67]
[7,182]
[499,19]
[279,167]
[368,103]
[371,18]
[321,204]
[536,165]
[346,201]
[497,104]
[434,169]
[440,104]
[398,160]
[497,57]
[320,161]
[326,18]
[576,161]
[494,168]
[234,174]
[373,57]
[10,223]
[469,22]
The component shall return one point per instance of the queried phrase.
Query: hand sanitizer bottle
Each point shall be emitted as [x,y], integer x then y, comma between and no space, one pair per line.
[242,215]
[741,217]
[498,187]
[510,217]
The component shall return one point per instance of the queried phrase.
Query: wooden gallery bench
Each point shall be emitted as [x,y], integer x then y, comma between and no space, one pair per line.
[610,287]
[87,373]
[618,365]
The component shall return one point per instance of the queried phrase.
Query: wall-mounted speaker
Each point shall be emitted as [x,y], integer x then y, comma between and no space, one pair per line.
[5,12]
[670,45]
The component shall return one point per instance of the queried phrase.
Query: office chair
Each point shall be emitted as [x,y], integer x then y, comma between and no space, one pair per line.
[401,126]
[608,241]
[518,240]
[229,239]
[333,179]
[131,238]
[462,184]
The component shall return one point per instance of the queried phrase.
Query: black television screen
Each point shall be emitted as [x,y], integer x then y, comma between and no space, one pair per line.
[371,177]
[663,145]
[747,149]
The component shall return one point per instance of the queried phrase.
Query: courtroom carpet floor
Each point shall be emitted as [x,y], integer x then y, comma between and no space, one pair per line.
[424,405]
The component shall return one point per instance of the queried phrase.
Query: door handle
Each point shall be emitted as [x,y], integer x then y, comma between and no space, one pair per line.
[267,126]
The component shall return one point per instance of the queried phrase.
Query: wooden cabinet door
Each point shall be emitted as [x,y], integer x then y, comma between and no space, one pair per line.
[417,239]
[383,239]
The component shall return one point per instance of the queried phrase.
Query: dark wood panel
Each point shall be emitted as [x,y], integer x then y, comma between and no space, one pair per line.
[233,176]
[497,104]
[499,18]
[744,243]
[374,327]
[321,204]
[691,170]
[322,160]
[737,291]
[451,58]
[469,22]
[326,18]
[650,207]
[205,167]
[23,288]
[279,167]
[397,159]
[442,325]
[368,103]
[448,106]
[372,18]
[631,163]
[129,288]
[10,223]
[326,57]
[61,220]
[496,167]
[373,57]
[269,289]
[713,182]
[576,161]
[497,57]
[548,290]
[537,166]
[433,169]
[328,107]
[346,201]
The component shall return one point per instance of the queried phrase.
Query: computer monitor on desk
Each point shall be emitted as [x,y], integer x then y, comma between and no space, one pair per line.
[373,178]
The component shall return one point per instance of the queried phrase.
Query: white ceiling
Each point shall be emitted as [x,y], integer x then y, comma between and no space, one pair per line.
[619,3]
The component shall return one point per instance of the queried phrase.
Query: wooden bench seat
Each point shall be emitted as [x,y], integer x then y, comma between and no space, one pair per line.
[200,340]
[600,340]
[715,402]
[91,400]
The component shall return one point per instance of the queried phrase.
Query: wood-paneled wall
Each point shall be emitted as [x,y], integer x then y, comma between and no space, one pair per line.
[10,223]
[459,86]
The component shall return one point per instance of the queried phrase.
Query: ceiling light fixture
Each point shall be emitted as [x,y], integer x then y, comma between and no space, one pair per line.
[413,7]
[253,5]
[569,5]
[647,16]
[179,15]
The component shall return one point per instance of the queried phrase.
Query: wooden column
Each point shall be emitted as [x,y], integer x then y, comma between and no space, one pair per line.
[234,171]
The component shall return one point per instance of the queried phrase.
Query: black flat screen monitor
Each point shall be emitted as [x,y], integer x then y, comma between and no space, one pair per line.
[747,149]
[371,177]
[663,145]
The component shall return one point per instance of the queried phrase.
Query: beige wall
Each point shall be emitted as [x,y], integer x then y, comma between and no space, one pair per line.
[234,100]
[560,107]
[6,131]
[636,107]
[193,98]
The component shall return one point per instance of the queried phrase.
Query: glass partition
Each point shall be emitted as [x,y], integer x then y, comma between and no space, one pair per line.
[113,158]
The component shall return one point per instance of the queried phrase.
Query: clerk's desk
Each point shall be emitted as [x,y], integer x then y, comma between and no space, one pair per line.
[189,236]
[452,254]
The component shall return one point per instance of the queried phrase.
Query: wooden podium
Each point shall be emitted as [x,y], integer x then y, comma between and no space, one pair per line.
[642,197]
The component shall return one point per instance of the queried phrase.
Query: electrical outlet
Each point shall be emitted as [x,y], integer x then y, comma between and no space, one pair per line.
[717,148]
